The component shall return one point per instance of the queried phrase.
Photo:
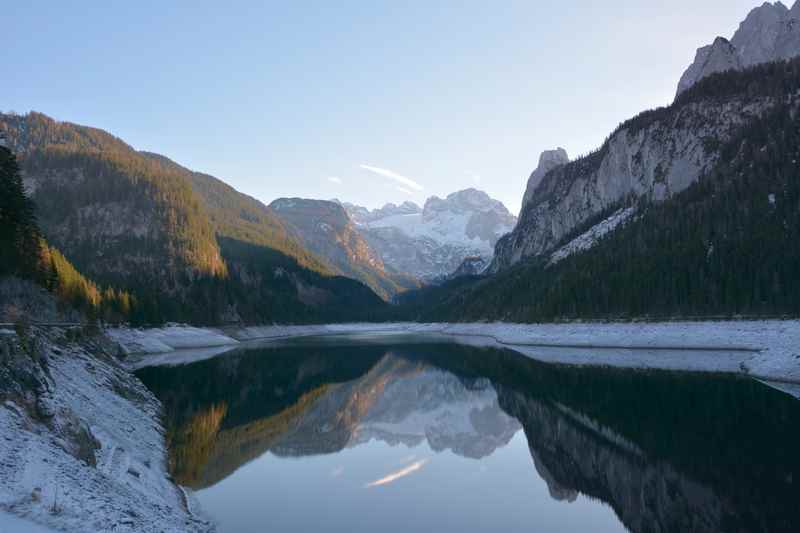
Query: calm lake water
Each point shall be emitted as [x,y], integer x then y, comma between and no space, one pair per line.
[394,433]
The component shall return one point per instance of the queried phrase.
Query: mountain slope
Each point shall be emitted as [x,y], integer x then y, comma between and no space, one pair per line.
[110,210]
[726,245]
[185,244]
[326,229]
[654,156]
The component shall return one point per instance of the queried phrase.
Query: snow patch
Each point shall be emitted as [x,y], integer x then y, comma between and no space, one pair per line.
[588,239]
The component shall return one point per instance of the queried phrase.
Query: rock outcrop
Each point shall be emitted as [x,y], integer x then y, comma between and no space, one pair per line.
[549,160]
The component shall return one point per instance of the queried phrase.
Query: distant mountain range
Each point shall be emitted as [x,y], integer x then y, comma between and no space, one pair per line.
[431,242]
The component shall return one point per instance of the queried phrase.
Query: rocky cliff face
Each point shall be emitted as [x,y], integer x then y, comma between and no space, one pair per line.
[652,156]
[325,229]
[771,32]
[432,242]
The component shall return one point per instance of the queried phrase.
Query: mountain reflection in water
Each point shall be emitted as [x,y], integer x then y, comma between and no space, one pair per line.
[666,451]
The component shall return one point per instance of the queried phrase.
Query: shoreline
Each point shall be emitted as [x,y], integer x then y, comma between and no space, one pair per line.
[767,350]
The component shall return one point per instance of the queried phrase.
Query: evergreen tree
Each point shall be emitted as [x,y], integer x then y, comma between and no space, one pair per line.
[19,231]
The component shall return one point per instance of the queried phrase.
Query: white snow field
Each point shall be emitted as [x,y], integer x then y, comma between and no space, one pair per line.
[769,350]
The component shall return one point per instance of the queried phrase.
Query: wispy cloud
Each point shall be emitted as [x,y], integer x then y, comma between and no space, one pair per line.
[402,180]
[476,179]
[394,476]
[404,190]
[338,471]
[335,179]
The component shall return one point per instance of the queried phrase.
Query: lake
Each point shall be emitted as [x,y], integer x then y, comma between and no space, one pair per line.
[414,433]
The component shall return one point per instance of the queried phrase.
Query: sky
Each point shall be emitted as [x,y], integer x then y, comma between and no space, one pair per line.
[365,101]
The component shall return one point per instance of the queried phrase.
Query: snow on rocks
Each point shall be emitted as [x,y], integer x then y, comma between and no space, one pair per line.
[121,484]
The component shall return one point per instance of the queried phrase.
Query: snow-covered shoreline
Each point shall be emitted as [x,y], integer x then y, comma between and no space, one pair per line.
[91,455]
[767,350]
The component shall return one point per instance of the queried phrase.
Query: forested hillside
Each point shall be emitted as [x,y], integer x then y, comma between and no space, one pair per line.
[25,254]
[185,246]
[728,245]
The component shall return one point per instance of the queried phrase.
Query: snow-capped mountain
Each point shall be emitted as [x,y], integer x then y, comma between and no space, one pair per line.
[771,32]
[431,242]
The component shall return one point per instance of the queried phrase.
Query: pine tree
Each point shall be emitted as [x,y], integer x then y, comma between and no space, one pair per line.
[19,230]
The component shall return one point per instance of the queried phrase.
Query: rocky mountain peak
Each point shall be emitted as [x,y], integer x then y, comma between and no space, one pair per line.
[755,39]
[549,160]
[466,201]
[770,32]
[717,57]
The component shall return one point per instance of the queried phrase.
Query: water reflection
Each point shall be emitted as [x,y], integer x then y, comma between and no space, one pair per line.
[667,452]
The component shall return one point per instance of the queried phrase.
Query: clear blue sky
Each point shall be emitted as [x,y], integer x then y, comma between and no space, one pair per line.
[277,98]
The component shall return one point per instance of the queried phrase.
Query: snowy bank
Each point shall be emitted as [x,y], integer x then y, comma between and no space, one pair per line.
[85,450]
[764,349]
[167,339]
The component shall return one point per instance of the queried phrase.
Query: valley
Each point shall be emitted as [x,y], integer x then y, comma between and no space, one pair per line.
[307,342]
